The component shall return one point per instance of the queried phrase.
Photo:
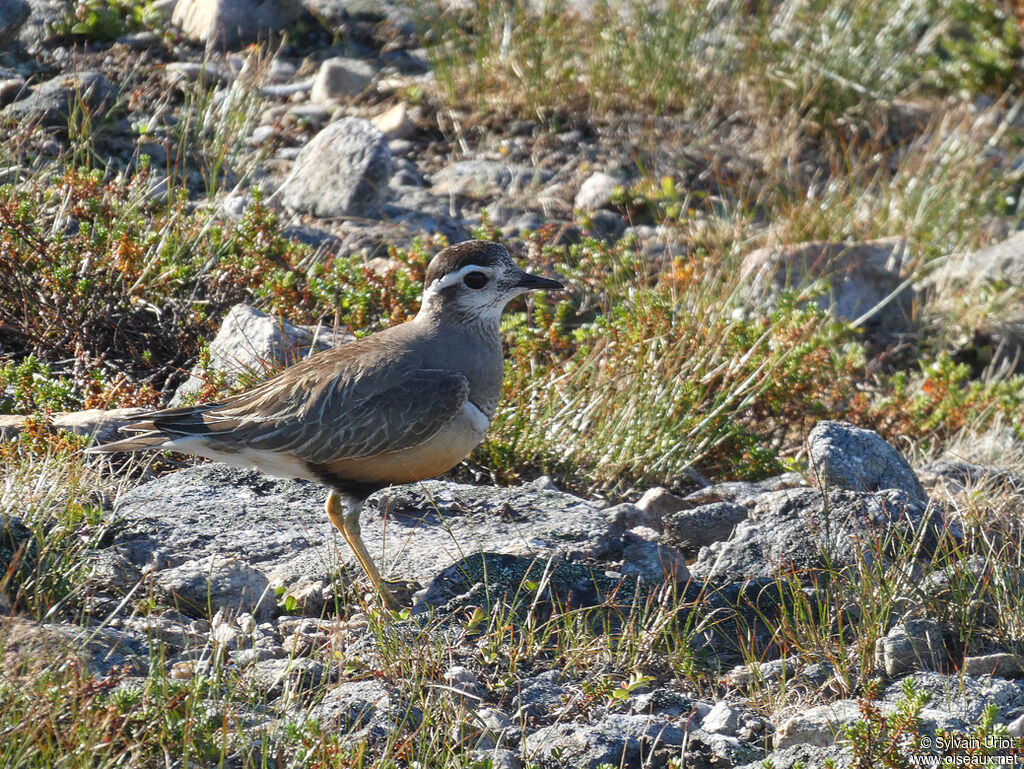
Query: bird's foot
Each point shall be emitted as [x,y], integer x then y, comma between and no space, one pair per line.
[398,593]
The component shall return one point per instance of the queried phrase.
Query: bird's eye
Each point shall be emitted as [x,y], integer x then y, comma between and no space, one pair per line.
[475,280]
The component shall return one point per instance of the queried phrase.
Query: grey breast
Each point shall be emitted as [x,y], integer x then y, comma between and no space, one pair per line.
[475,352]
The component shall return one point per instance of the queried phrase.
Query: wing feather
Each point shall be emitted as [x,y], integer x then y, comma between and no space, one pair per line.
[354,401]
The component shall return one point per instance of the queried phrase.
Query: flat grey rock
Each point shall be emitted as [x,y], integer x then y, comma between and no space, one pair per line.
[51,103]
[202,587]
[618,740]
[965,697]
[485,178]
[279,527]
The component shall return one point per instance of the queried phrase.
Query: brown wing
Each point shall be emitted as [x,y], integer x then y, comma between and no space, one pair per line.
[353,401]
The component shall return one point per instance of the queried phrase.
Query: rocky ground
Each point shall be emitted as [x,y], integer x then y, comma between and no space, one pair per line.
[211,571]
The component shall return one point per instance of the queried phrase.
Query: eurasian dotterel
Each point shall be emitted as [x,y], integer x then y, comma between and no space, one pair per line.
[398,406]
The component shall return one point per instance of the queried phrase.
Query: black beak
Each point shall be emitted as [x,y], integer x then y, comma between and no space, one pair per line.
[537,283]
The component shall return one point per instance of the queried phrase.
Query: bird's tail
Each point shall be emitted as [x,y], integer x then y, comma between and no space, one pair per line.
[145,442]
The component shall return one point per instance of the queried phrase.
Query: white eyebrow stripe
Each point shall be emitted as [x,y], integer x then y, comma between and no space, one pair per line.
[456,277]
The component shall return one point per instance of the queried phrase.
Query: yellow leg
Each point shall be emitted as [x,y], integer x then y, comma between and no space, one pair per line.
[348,524]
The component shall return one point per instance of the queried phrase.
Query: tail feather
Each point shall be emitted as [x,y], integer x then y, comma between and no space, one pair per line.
[146,442]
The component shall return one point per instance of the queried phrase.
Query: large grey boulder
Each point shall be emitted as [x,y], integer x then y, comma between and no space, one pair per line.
[859,277]
[851,457]
[343,171]
[254,344]
[53,102]
[279,527]
[234,23]
[807,529]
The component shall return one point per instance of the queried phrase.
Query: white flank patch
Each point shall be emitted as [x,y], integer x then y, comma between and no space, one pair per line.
[478,420]
[277,465]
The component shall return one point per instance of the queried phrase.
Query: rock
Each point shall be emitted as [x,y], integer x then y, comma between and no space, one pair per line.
[701,526]
[365,708]
[341,78]
[514,579]
[38,27]
[395,122]
[234,23]
[744,493]
[956,476]
[806,529]
[206,73]
[287,677]
[654,563]
[616,740]
[607,225]
[11,89]
[492,729]
[915,644]
[854,458]
[668,703]
[659,502]
[199,588]
[483,179]
[820,726]
[723,719]
[626,516]
[13,13]
[1000,665]
[343,171]
[29,648]
[804,757]
[280,528]
[1016,728]
[541,696]
[1001,262]
[596,192]
[991,278]
[963,697]
[859,277]
[252,343]
[52,103]
[771,671]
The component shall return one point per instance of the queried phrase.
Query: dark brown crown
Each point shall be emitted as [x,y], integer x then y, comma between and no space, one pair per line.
[482,253]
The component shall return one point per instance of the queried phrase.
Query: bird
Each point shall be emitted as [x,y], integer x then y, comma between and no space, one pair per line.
[398,406]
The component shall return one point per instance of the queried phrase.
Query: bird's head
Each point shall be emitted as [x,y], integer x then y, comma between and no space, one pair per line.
[474,280]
